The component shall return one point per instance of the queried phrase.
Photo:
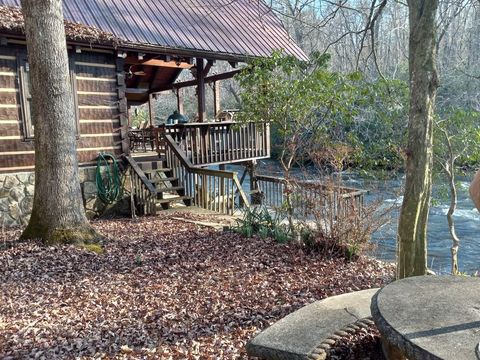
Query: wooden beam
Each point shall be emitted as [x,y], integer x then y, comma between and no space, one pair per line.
[207,80]
[169,64]
[136,91]
[180,107]
[216,97]
[210,63]
[154,77]
[201,90]
[150,109]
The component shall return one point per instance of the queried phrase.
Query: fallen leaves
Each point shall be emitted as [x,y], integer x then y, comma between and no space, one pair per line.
[11,19]
[163,289]
[365,344]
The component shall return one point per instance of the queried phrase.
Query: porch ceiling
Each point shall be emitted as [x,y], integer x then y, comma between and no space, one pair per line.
[145,74]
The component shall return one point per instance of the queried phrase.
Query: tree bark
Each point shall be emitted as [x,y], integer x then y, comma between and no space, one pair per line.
[412,227]
[451,222]
[58,215]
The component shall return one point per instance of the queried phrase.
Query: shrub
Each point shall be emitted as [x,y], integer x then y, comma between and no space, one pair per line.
[259,221]
[339,223]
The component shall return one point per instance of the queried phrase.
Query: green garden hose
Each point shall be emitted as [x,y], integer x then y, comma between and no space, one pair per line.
[107,179]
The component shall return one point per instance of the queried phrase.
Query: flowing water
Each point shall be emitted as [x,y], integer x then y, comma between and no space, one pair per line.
[466,217]
[389,192]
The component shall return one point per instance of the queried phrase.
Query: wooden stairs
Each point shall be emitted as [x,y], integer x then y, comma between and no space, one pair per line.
[169,192]
[160,180]
[155,174]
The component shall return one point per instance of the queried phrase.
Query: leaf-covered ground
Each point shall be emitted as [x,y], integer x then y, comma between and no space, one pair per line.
[163,289]
[365,344]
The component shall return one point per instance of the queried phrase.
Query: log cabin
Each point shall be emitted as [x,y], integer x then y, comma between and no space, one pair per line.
[121,54]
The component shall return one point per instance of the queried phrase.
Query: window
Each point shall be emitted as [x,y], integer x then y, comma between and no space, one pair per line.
[26,97]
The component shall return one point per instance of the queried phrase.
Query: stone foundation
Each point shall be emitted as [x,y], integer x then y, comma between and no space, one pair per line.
[16,196]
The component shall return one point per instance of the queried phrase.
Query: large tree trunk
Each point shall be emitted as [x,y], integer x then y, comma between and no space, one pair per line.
[58,215]
[412,227]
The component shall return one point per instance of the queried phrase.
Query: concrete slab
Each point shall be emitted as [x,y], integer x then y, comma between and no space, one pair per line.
[430,317]
[298,335]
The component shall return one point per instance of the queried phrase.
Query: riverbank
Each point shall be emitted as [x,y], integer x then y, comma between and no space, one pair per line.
[387,190]
[162,288]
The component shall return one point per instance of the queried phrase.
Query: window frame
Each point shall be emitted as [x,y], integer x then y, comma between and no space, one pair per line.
[25,96]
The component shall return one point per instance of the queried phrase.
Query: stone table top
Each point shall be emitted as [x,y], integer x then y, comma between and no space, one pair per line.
[431,317]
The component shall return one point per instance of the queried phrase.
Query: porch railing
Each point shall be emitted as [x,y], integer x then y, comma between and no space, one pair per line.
[215,190]
[333,202]
[221,142]
[143,192]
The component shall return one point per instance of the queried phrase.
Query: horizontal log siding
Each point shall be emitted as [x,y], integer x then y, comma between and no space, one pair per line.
[24,161]
[98,95]
[9,98]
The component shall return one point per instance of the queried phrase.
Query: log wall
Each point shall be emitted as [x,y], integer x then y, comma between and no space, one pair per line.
[99,84]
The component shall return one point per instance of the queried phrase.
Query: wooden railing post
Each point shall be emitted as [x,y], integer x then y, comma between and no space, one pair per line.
[144,192]
[335,202]
[222,142]
[208,190]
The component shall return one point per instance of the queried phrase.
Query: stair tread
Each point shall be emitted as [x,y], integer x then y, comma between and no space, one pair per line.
[172,199]
[148,158]
[170,188]
[160,180]
[154,171]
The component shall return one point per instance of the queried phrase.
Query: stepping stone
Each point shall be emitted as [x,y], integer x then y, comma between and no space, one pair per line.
[302,334]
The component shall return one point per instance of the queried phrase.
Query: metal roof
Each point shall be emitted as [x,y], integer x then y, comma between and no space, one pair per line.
[222,28]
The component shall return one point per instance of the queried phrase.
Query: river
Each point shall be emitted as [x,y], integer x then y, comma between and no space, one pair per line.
[466,217]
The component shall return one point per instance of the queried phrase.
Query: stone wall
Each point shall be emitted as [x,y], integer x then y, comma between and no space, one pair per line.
[16,196]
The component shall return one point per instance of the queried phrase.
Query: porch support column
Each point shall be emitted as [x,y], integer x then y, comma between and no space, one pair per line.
[180,107]
[201,90]
[150,108]
[216,97]
[255,197]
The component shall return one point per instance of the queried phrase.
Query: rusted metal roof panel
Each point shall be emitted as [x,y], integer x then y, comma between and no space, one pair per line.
[241,28]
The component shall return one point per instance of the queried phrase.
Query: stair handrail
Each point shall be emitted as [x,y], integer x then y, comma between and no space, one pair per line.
[347,191]
[145,199]
[143,177]
[182,156]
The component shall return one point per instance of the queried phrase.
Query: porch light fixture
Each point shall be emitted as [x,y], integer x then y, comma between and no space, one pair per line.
[122,54]
[141,56]
[78,49]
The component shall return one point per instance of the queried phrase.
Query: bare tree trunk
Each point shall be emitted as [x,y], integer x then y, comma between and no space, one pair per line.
[449,168]
[58,215]
[287,167]
[451,224]
[412,227]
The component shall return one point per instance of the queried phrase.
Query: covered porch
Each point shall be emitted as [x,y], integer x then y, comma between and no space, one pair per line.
[205,141]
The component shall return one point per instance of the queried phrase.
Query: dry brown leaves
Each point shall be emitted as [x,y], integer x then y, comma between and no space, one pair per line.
[11,19]
[162,289]
[365,344]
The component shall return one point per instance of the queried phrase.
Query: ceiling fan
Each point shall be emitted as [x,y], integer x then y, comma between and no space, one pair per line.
[131,73]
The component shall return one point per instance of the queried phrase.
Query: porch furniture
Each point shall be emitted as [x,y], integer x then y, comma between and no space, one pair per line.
[140,138]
